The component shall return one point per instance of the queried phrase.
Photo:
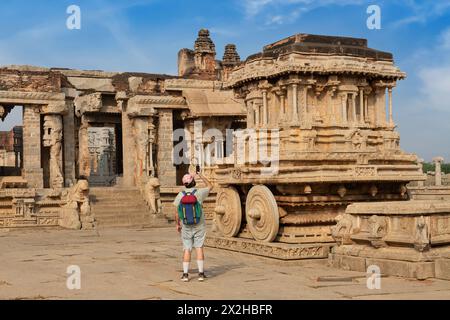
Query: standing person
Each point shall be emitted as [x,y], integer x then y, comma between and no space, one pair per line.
[191,221]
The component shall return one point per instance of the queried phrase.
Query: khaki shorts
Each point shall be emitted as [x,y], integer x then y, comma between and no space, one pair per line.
[193,236]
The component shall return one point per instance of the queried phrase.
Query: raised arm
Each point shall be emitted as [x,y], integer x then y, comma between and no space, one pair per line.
[208,183]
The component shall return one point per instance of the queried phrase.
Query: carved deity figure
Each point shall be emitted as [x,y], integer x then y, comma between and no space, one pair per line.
[358,140]
[77,211]
[421,237]
[377,230]
[153,195]
[342,231]
[83,153]
[52,138]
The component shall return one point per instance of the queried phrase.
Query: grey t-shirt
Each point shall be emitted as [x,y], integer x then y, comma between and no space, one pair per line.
[201,194]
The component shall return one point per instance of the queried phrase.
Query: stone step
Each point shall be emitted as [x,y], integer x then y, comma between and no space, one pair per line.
[118,207]
[103,191]
[118,214]
[113,207]
[117,198]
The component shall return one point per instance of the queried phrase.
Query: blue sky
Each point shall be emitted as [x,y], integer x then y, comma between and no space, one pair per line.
[145,35]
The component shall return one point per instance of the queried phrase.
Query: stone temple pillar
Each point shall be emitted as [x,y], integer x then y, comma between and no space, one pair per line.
[52,138]
[84,160]
[32,170]
[437,171]
[166,169]
[141,140]
[69,143]
[128,150]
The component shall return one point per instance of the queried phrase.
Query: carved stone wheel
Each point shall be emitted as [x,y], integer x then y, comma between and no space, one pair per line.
[261,211]
[228,211]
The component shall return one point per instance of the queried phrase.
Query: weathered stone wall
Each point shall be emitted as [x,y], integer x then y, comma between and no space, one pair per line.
[25,79]
[166,169]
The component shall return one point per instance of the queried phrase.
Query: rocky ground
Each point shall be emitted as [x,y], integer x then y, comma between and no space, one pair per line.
[125,263]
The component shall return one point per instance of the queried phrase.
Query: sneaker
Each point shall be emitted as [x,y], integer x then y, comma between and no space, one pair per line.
[185,277]
[201,276]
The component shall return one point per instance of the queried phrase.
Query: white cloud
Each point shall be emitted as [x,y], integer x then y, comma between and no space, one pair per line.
[436,87]
[288,11]
[423,11]
[253,7]
[435,76]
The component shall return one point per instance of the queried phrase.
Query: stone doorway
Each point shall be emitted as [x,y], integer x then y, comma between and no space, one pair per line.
[105,153]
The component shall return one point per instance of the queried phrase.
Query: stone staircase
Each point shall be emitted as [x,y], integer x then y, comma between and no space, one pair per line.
[122,207]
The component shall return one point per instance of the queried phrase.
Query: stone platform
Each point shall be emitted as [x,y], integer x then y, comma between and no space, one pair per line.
[403,238]
[277,250]
[400,262]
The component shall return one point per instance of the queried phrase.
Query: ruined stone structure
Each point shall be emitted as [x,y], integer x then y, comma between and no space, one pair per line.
[299,140]
[112,129]
[11,151]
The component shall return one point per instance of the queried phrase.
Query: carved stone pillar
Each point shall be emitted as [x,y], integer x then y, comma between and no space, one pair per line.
[264,86]
[84,161]
[257,115]
[283,101]
[353,106]
[251,114]
[344,97]
[367,90]
[265,110]
[391,121]
[280,92]
[32,170]
[294,103]
[362,114]
[437,170]
[304,106]
[53,138]
[151,141]
[380,106]
[141,140]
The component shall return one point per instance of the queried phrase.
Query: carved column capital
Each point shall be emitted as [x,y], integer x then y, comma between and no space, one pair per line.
[55,107]
[88,103]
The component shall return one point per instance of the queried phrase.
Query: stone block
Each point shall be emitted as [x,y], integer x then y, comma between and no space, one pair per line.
[348,262]
[442,269]
[418,270]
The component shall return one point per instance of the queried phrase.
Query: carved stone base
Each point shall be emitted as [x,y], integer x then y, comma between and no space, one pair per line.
[283,251]
[393,261]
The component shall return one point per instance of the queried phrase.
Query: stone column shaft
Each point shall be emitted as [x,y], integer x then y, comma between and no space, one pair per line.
[32,170]
[265,111]
[166,169]
[361,106]
[294,103]
[344,97]
[437,170]
[391,121]
[257,116]
[353,100]
[366,108]
[304,113]
[128,150]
